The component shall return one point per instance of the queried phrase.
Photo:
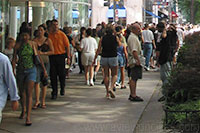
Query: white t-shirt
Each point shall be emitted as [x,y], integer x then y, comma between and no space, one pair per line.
[148,36]
[89,45]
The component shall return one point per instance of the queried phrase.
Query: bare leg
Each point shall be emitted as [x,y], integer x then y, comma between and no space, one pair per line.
[106,79]
[29,99]
[122,76]
[132,85]
[86,73]
[91,69]
[37,95]
[44,90]
[114,76]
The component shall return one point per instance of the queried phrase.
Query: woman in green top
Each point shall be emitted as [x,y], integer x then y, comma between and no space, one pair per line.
[25,71]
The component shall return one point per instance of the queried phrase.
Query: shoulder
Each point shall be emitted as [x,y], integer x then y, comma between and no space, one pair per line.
[3,58]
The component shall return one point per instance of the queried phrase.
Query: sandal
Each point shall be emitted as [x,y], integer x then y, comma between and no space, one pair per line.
[43,106]
[22,115]
[36,106]
[112,95]
[28,123]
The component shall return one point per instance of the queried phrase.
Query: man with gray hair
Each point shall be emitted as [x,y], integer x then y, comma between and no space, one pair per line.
[134,51]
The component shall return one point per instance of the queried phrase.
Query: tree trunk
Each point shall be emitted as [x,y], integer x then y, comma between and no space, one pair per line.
[192,12]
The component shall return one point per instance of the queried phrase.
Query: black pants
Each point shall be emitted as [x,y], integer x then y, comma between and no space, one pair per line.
[57,69]
[80,62]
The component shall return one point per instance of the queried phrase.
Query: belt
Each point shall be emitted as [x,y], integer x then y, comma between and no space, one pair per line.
[148,43]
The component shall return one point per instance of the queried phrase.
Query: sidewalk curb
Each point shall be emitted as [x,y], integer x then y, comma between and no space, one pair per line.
[157,87]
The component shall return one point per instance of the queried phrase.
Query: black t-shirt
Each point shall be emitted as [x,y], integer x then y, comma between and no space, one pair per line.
[70,39]
[166,47]
[109,46]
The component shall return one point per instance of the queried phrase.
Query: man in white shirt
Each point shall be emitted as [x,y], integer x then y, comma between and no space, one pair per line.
[134,50]
[7,82]
[149,43]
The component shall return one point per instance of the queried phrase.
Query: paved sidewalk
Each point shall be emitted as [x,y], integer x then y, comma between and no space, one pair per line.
[85,109]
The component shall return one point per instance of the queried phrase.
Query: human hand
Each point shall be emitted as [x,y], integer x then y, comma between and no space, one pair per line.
[15,105]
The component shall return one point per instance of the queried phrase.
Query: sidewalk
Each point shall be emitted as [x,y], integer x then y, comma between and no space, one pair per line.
[85,109]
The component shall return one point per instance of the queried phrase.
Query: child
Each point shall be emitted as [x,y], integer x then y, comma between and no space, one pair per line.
[10,43]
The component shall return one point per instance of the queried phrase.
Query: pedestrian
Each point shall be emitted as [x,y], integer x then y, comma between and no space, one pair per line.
[134,53]
[26,71]
[122,58]
[78,39]
[57,60]
[68,33]
[149,44]
[8,84]
[165,52]
[45,48]
[108,45]
[97,66]
[88,48]
[10,43]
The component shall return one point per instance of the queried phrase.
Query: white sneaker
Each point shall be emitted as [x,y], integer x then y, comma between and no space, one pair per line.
[91,83]
[87,82]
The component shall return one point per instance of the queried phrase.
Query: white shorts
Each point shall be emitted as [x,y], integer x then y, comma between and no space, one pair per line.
[87,58]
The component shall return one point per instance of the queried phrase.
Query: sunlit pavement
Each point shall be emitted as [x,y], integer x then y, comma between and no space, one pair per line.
[84,109]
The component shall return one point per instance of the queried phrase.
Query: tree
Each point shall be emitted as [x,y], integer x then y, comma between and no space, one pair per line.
[190,9]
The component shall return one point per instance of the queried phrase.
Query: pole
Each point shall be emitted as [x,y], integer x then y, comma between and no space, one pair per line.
[114,13]
[27,11]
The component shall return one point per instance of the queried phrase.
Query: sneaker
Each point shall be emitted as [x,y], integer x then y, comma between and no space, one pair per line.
[161,99]
[146,68]
[135,99]
[117,84]
[91,83]
[114,89]
[87,83]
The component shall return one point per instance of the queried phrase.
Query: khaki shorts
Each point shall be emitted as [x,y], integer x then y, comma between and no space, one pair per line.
[87,58]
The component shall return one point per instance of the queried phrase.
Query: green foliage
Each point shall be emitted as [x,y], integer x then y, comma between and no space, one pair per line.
[184,6]
[176,118]
[182,91]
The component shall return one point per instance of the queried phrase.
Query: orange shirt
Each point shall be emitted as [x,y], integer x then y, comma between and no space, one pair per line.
[60,41]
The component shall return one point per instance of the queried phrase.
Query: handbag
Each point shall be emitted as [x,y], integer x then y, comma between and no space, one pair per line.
[36,60]
[132,61]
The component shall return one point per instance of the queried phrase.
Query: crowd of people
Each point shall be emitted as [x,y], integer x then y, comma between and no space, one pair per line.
[51,53]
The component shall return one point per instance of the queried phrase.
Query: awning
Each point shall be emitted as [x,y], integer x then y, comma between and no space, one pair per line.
[162,15]
[174,15]
[75,13]
[152,14]
[120,9]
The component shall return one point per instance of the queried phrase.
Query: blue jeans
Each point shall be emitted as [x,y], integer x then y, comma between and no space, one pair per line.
[147,53]
[165,71]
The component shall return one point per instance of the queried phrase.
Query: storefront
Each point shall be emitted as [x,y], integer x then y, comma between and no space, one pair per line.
[36,12]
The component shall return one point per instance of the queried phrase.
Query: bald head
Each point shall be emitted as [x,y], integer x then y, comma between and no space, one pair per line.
[135,28]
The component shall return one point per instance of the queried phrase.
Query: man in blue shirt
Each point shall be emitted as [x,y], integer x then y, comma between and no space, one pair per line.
[7,82]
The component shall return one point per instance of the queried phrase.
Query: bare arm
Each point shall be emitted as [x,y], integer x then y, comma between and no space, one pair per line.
[136,57]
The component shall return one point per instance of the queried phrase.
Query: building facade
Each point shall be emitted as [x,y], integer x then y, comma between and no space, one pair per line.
[132,9]
[14,12]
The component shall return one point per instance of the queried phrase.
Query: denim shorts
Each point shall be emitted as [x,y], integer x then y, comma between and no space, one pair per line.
[109,61]
[26,75]
[121,61]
